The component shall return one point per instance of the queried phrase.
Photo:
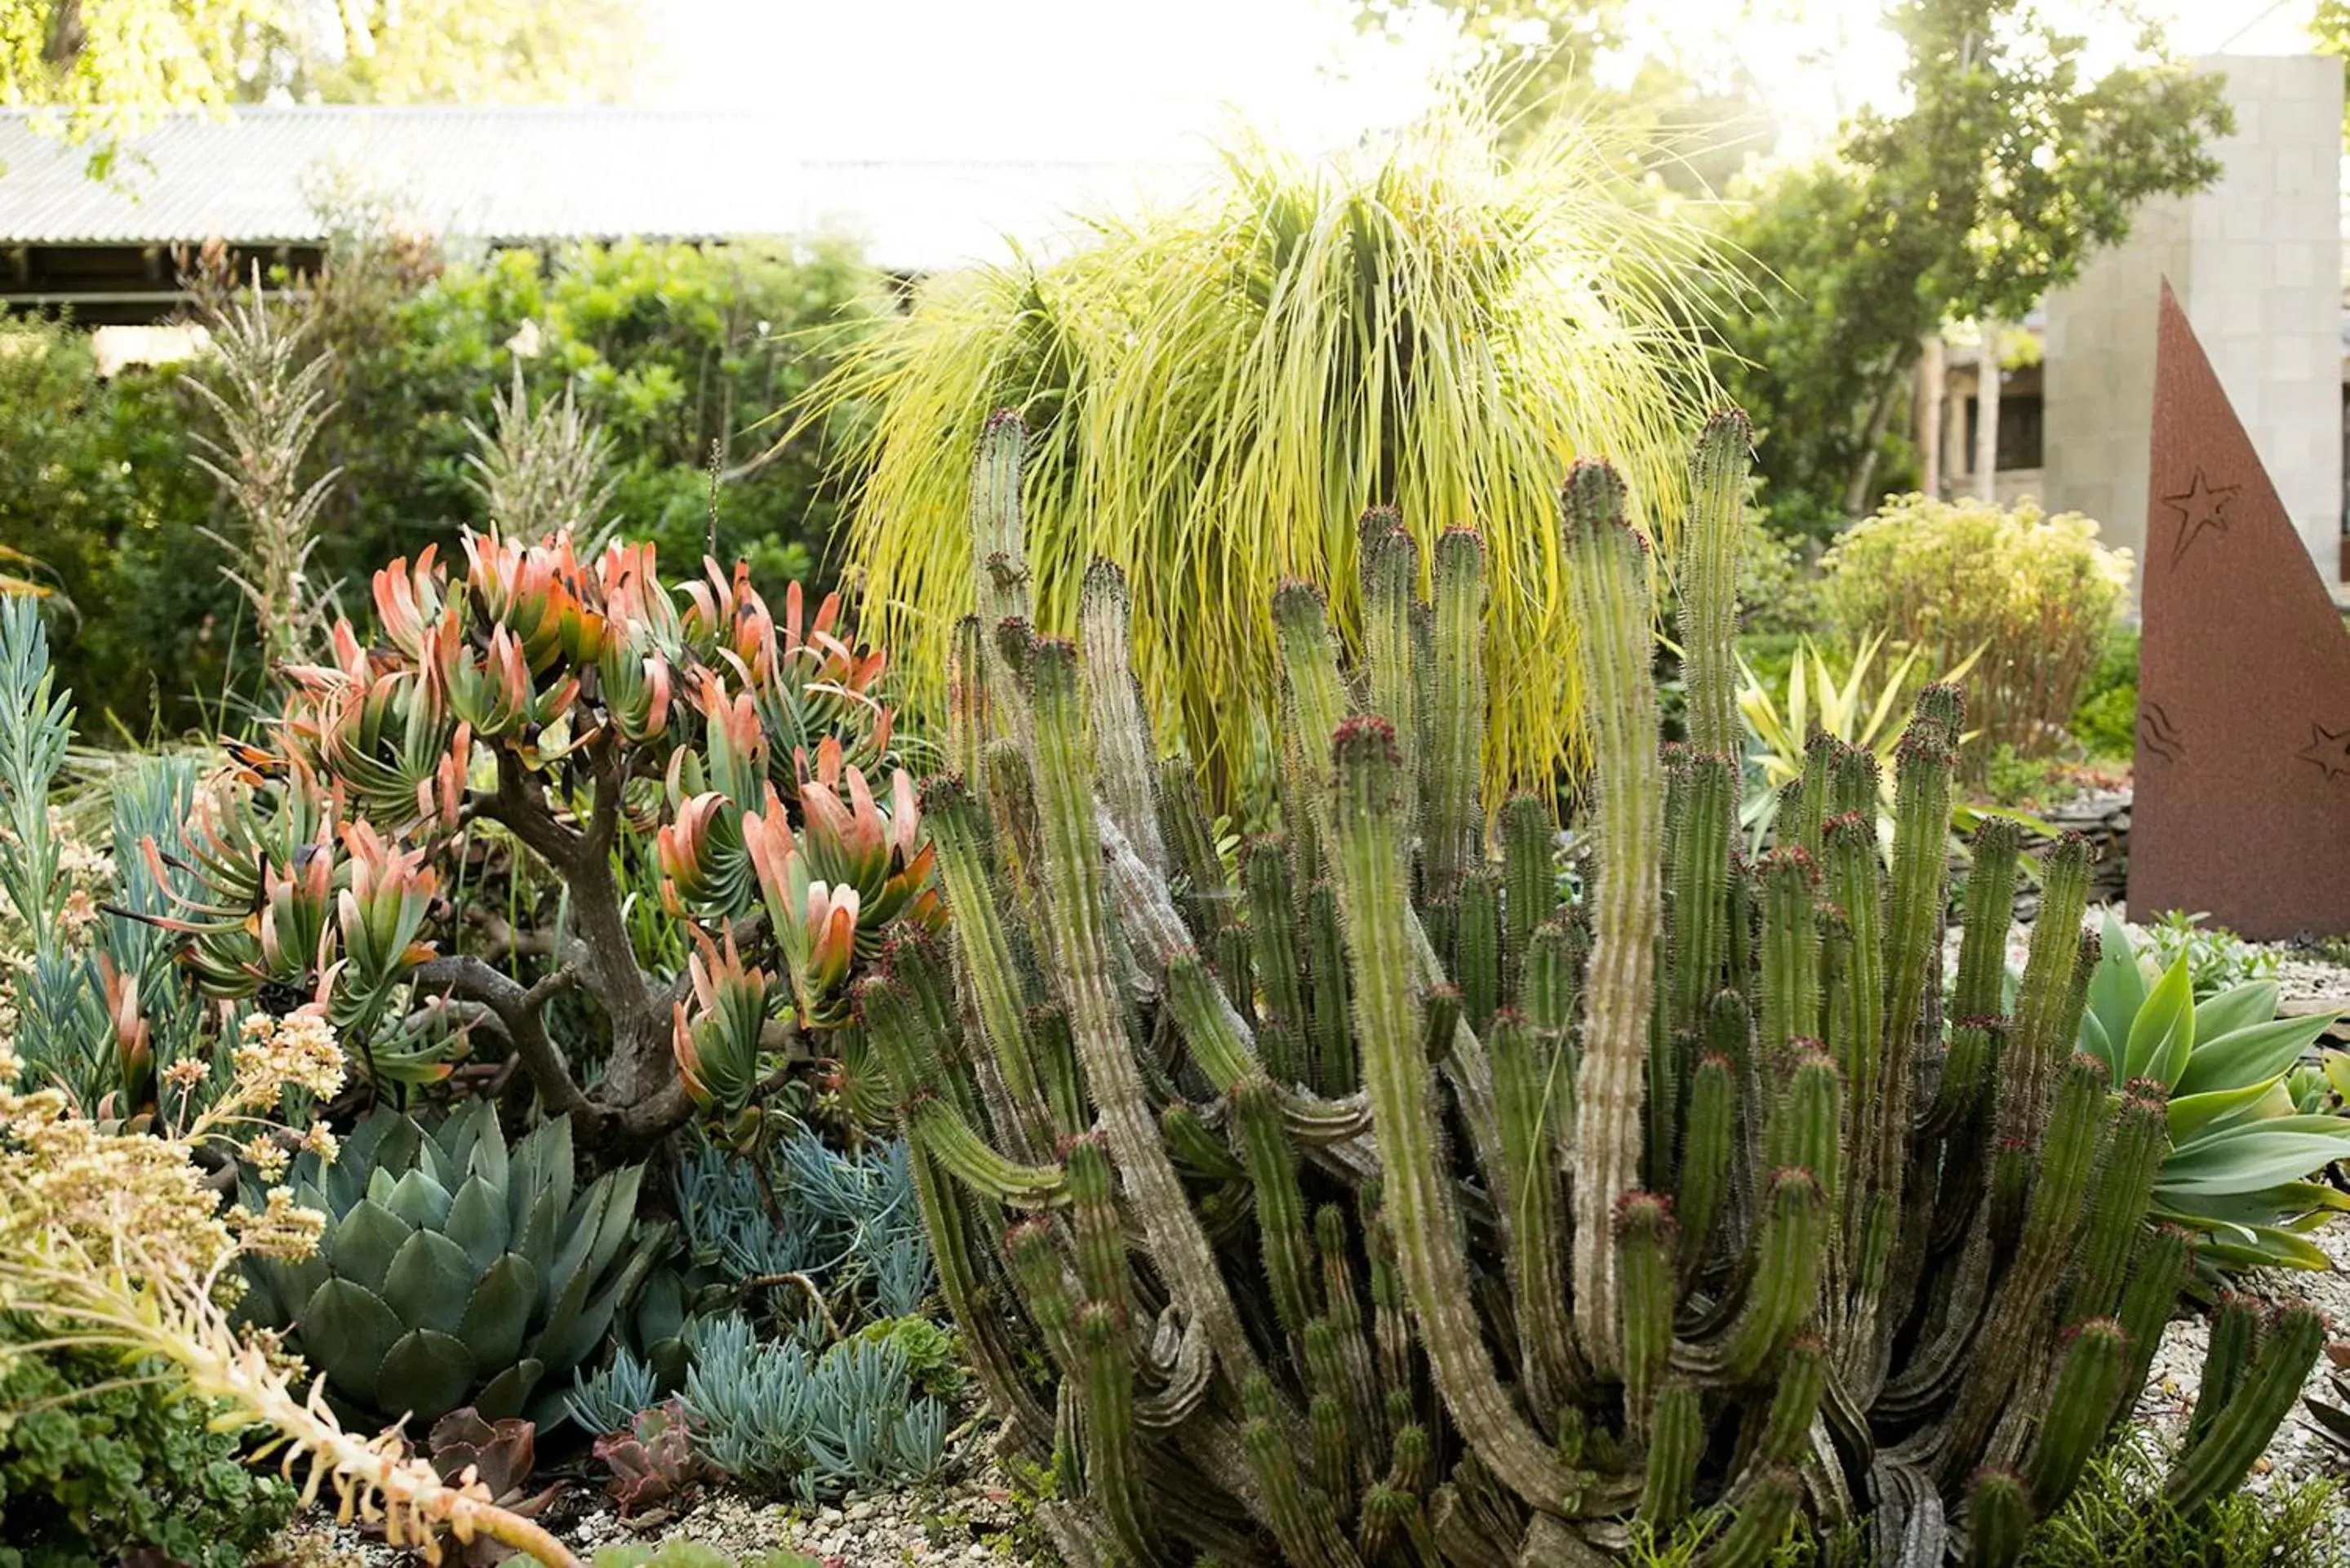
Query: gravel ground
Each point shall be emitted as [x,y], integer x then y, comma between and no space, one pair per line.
[969,1521]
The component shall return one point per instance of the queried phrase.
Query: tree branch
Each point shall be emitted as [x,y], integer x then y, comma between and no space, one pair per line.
[468,979]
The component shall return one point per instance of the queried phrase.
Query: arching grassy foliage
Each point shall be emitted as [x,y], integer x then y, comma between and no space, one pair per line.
[1218,392]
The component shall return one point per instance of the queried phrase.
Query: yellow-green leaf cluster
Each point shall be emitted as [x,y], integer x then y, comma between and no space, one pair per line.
[1216,392]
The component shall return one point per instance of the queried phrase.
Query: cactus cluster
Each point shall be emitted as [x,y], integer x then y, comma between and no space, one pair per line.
[1369,1202]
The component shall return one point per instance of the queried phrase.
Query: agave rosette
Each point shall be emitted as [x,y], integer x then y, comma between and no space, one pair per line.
[453,1270]
[2249,1145]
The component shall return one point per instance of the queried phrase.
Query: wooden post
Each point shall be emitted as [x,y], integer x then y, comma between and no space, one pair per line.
[1987,413]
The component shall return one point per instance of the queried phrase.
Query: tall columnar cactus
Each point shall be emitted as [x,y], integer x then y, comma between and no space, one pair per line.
[1365,1202]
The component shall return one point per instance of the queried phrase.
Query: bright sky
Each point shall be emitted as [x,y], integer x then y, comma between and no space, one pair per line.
[1147,81]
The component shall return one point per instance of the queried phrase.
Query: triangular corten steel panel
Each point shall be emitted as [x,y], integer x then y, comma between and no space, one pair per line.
[2242,781]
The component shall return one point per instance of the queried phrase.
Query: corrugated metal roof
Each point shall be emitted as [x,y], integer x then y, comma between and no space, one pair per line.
[532,174]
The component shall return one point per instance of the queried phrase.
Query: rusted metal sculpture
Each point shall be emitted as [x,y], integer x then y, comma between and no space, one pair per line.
[2243,806]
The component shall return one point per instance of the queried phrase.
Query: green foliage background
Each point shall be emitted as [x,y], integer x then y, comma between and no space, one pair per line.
[673,346]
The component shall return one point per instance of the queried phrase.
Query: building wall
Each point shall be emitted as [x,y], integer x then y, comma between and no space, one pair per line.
[2256,263]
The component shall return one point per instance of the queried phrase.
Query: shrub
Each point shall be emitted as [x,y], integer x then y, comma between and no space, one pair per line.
[1217,392]
[100,1460]
[97,488]
[666,348]
[2106,721]
[2038,594]
[2120,1519]
[1292,1244]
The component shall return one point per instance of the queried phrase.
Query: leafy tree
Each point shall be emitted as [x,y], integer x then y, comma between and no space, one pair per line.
[106,66]
[467,51]
[2329,29]
[1688,116]
[2009,171]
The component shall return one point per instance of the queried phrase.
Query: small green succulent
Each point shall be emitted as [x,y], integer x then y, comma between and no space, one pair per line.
[2250,1129]
[452,1271]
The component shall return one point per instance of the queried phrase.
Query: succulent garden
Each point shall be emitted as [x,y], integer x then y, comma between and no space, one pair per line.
[1274,892]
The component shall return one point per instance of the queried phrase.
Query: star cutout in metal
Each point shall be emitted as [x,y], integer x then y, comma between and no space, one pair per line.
[2329,749]
[2200,507]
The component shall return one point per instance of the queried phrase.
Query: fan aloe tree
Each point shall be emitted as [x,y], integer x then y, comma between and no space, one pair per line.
[579,723]
[1218,392]
[1372,1206]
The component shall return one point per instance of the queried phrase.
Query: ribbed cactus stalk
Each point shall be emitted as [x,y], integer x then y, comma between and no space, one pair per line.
[1370,1204]
[1708,581]
[1455,829]
[1608,576]
[1999,1517]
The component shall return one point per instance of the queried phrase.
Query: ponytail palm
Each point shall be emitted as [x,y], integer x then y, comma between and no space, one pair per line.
[1216,394]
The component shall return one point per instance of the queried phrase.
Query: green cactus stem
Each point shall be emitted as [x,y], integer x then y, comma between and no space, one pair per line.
[2088,1380]
[2139,1139]
[1124,750]
[1452,832]
[1390,570]
[1699,944]
[1533,1095]
[2220,1457]
[1709,580]
[1675,1441]
[1989,910]
[1999,1517]
[1757,1523]
[1708,1151]
[2037,1046]
[1422,1222]
[1529,885]
[1073,896]
[1113,1478]
[1645,1243]
[984,943]
[1477,947]
[1791,953]
[1607,577]
[1786,1286]
[1274,947]
[1271,1160]
[1301,1515]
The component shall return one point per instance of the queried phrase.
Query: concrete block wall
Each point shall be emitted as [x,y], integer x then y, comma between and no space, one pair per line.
[2256,261]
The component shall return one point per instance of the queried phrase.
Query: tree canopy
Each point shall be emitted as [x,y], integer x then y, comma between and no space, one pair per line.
[2007,165]
[2008,171]
[105,66]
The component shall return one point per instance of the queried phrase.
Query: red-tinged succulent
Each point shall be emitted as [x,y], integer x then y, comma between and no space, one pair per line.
[521,706]
[654,1463]
[857,843]
[717,1043]
[134,1044]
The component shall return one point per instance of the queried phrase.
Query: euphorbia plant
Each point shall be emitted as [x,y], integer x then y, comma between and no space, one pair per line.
[569,704]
